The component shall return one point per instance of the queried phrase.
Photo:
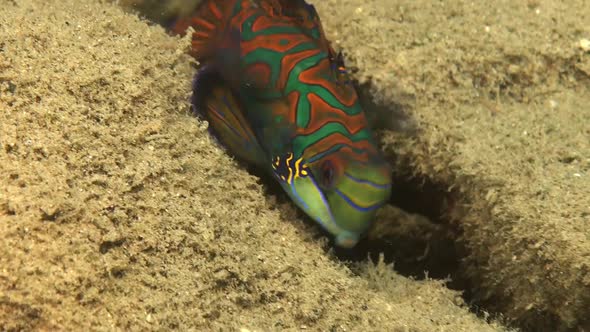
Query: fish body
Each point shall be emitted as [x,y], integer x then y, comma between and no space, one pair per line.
[277,96]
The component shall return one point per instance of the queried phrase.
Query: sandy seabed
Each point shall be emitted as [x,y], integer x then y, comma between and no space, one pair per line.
[119,212]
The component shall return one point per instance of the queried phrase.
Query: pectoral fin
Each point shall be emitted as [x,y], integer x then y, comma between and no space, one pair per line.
[215,101]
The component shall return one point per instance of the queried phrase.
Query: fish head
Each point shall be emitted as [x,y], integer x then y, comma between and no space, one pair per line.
[340,193]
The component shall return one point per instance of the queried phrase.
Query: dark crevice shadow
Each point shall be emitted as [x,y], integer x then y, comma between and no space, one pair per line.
[430,251]
[384,117]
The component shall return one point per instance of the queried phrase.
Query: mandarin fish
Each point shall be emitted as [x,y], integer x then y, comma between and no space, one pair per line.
[277,96]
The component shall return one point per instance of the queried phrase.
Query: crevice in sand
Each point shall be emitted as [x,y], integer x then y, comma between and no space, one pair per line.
[420,241]
[417,231]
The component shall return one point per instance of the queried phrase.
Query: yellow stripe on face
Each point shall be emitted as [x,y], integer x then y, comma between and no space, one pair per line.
[287,169]
[297,167]
[300,169]
[287,163]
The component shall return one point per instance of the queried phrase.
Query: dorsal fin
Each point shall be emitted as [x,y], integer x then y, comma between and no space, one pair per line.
[209,21]
[306,17]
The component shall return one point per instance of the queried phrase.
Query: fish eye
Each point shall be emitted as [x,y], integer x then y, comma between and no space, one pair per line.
[327,174]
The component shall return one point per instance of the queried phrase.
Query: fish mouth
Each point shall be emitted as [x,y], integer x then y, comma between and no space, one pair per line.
[347,239]
[309,197]
[342,237]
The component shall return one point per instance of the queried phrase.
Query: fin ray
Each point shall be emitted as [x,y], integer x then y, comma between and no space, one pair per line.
[208,20]
[215,101]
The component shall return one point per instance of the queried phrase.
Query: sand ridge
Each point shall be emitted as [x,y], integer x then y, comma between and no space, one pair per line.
[499,92]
